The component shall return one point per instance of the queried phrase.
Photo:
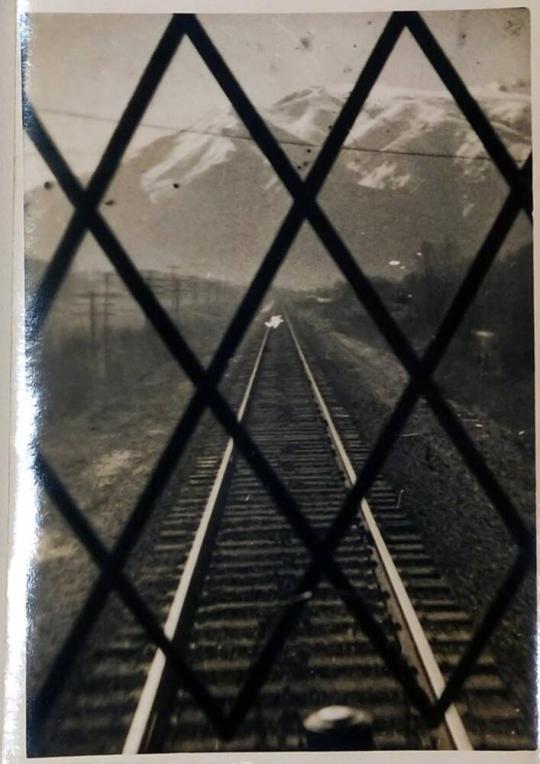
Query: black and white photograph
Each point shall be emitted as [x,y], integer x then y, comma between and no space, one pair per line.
[278,275]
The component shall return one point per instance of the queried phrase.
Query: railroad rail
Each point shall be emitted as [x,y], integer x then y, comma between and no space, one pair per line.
[223,562]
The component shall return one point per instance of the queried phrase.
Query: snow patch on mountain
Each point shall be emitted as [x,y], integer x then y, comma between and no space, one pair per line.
[384,176]
[191,156]
[392,121]
[302,126]
[195,151]
[427,116]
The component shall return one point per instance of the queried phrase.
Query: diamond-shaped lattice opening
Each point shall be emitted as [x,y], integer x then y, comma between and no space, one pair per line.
[46,214]
[326,642]
[121,670]
[255,560]
[336,331]
[424,454]
[507,95]
[47,628]
[298,113]
[107,88]
[438,491]
[113,393]
[328,658]
[492,353]
[197,244]
[414,171]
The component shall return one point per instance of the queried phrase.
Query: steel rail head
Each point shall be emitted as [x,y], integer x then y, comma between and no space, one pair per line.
[236,330]
[260,669]
[125,589]
[149,702]
[366,293]
[429,363]
[525,537]
[419,639]
[365,476]
[182,353]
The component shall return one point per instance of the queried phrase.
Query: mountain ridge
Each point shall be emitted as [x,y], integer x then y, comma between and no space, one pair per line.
[411,170]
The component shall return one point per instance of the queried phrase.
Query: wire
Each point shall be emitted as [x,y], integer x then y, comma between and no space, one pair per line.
[283,142]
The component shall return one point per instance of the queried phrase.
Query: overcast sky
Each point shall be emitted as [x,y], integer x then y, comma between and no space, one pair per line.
[84,68]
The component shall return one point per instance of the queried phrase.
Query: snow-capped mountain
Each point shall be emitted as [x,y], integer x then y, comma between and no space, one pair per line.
[411,170]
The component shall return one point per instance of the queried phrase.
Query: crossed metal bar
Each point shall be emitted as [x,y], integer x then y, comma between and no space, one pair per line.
[304,207]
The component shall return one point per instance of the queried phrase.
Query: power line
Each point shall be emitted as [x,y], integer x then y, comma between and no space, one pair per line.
[98,118]
[281,141]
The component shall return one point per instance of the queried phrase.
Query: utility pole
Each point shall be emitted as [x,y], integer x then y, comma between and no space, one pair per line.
[156,282]
[175,291]
[91,298]
[106,308]
[149,278]
[108,301]
[97,301]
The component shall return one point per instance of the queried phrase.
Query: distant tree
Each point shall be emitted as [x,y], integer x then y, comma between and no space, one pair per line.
[440,269]
[505,307]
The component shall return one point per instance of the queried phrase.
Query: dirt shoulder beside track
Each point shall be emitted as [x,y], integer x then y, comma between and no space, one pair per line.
[104,457]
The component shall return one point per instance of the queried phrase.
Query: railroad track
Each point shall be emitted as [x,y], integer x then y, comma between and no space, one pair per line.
[221,563]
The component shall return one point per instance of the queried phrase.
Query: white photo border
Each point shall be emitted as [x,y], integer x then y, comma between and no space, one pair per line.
[12,538]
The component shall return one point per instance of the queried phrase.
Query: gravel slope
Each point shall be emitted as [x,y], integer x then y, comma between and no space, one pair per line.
[469,542]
